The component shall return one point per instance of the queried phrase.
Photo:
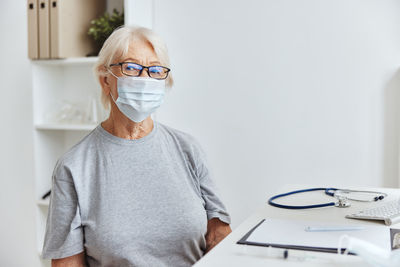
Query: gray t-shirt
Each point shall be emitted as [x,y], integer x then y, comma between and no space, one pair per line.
[141,202]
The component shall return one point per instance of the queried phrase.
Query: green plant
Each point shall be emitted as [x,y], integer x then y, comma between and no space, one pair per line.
[103,26]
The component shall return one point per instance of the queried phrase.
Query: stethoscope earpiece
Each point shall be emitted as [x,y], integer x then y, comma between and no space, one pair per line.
[379,198]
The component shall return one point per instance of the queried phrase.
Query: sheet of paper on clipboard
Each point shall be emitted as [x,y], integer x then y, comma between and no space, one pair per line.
[292,234]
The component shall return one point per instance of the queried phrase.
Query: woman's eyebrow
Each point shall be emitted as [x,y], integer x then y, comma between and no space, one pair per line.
[138,61]
[130,59]
[154,62]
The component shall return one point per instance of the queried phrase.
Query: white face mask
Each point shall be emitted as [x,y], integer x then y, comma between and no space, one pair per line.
[138,97]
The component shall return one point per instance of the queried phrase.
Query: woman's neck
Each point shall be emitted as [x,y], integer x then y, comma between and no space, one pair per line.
[119,125]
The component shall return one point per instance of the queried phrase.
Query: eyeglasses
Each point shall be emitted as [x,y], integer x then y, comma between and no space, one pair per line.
[134,69]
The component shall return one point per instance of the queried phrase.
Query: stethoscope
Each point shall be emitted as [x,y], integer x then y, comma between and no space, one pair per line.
[342,195]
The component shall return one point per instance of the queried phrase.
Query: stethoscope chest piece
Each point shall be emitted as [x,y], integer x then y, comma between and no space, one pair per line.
[342,202]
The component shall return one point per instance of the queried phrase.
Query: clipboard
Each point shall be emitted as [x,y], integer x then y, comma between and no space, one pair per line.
[394,240]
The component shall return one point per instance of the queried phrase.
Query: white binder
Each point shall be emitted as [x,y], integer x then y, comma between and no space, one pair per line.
[69,25]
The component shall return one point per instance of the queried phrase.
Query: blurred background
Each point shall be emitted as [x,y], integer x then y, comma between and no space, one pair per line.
[277,92]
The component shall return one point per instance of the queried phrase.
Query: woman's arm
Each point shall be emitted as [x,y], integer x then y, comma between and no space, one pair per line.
[77,260]
[216,231]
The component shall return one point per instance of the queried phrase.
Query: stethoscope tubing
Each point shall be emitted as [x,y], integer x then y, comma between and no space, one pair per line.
[272,203]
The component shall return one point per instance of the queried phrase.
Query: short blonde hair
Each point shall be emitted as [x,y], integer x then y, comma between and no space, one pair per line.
[117,46]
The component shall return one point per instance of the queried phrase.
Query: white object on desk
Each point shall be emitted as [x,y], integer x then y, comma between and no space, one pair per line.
[388,212]
[291,233]
[333,228]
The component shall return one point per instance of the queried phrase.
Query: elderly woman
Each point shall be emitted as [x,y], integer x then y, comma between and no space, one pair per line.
[133,192]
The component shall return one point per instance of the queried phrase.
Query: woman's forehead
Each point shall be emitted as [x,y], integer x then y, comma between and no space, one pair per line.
[141,50]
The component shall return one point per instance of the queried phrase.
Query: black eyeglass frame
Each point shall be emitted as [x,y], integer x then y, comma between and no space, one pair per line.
[140,72]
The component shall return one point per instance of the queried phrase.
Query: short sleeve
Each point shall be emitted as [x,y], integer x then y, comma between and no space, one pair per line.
[64,233]
[213,204]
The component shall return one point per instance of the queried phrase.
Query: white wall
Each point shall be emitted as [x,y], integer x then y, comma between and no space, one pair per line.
[17,206]
[286,91]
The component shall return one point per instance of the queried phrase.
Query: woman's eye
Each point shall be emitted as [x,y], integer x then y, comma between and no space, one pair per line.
[132,67]
[156,70]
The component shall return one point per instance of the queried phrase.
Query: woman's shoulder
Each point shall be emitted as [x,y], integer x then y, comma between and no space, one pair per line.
[181,136]
[79,151]
[186,141]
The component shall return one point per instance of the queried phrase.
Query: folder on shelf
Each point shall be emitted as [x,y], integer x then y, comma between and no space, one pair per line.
[69,25]
[290,234]
[44,29]
[33,27]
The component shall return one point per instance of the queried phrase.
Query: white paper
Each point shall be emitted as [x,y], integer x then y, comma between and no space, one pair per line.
[292,233]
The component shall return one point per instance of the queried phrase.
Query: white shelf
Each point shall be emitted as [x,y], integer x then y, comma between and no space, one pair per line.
[66,61]
[54,82]
[67,127]
[43,202]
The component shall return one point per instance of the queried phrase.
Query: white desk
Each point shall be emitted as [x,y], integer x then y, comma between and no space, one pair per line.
[228,253]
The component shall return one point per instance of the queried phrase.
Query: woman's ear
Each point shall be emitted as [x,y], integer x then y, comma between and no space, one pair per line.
[105,84]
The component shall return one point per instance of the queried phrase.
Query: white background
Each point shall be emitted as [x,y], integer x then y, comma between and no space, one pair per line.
[286,91]
[277,92]
[17,202]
